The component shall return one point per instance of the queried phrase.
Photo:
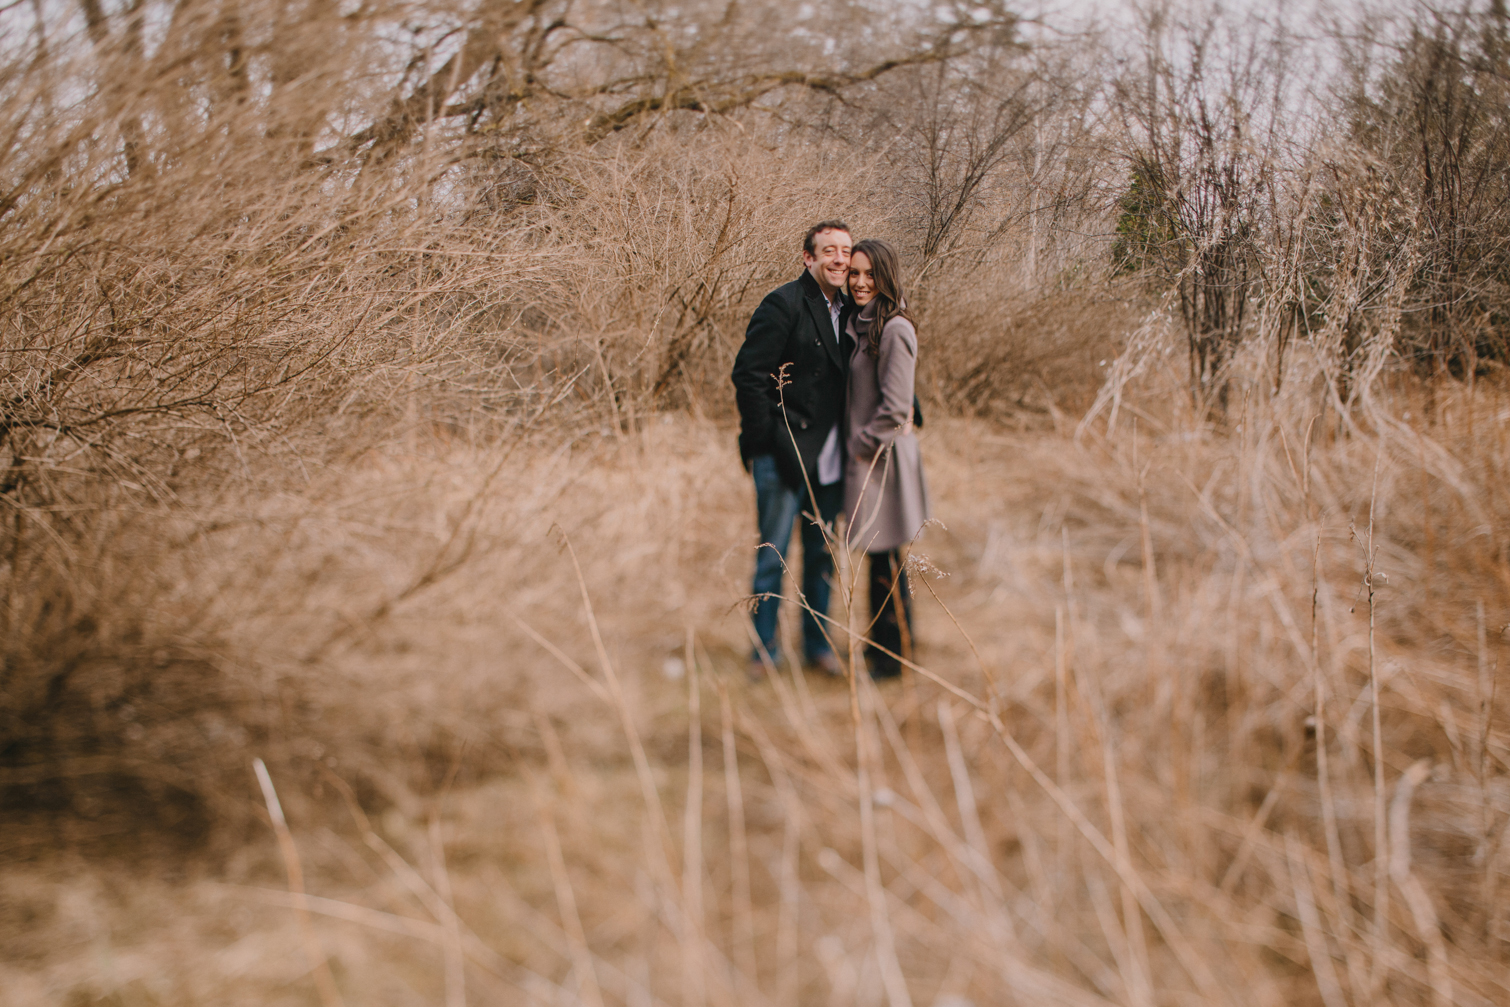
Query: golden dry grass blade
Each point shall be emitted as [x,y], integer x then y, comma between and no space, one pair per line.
[318,966]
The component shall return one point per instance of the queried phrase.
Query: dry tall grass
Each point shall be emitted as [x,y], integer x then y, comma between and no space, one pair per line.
[1123,801]
[375,546]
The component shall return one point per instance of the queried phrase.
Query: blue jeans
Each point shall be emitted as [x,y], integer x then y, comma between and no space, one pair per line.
[777,507]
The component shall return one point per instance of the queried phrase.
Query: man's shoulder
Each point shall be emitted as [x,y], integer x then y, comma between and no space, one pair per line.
[789,293]
[784,303]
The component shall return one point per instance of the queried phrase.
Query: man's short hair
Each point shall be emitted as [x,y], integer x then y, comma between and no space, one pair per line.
[819,228]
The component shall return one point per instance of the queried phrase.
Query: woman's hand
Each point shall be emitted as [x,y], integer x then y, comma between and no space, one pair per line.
[862,450]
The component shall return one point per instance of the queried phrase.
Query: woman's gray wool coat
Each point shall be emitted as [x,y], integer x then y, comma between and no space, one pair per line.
[885,494]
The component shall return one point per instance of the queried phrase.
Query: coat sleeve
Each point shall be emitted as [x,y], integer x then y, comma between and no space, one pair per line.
[896,367]
[755,367]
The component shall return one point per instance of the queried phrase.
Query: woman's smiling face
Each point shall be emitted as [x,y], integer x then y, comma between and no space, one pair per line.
[862,286]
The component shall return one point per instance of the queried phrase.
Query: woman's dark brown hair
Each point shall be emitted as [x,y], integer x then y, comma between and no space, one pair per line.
[886,273]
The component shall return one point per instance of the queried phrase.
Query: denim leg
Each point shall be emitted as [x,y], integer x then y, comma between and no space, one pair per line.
[818,568]
[776,507]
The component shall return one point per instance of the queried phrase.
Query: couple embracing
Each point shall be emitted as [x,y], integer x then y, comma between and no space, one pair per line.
[824,383]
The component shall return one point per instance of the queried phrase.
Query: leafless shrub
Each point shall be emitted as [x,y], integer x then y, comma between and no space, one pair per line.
[991,354]
[1427,103]
[1204,111]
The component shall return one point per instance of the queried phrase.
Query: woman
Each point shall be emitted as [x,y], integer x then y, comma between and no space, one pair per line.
[885,496]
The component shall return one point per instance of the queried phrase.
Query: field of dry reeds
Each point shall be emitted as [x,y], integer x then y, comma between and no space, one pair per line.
[374,547]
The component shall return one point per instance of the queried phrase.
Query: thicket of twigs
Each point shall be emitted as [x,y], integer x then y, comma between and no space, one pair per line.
[365,372]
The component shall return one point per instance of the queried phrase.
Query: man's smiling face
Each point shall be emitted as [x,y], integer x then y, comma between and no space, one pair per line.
[829,260]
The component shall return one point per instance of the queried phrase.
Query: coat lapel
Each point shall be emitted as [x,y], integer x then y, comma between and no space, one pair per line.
[846,347]
[817,306]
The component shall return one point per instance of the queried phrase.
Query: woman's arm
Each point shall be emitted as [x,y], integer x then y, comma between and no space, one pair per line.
[896,367]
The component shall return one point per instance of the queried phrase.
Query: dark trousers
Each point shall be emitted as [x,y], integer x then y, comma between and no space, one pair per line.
[890,614]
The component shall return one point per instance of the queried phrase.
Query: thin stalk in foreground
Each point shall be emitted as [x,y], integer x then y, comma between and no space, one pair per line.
[1381,836]
[694,993]
[875,893]
[318,966]
[742,926]
[566,901]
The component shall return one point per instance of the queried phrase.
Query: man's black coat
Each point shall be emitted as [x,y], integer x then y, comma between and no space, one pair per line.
[791,329]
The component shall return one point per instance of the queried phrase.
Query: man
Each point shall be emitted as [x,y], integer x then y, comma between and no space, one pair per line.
[789,379]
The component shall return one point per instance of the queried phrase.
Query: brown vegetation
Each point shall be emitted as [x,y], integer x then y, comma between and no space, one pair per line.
[364,413]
